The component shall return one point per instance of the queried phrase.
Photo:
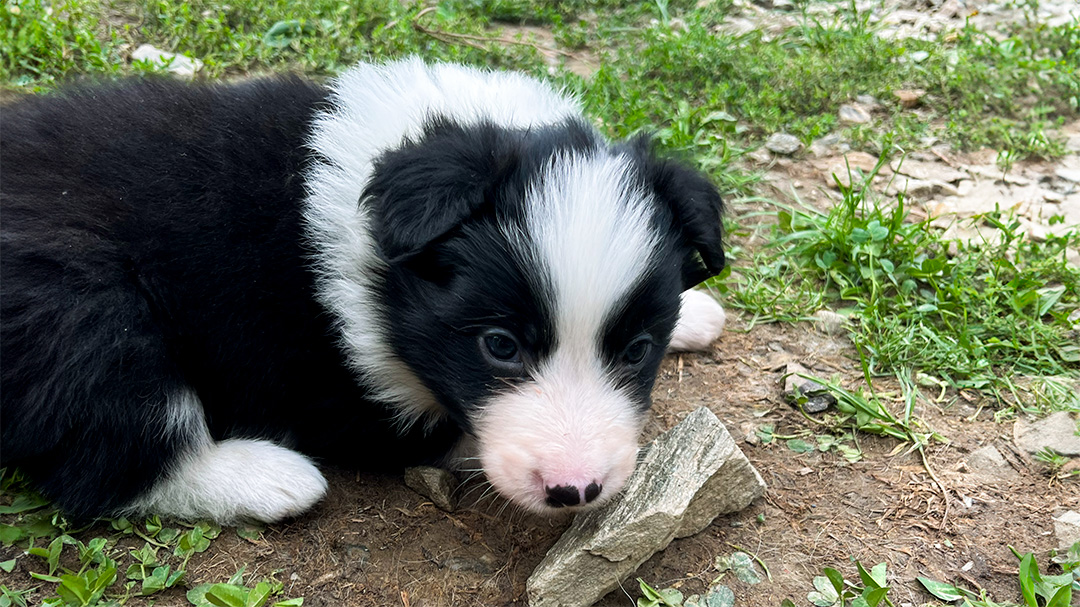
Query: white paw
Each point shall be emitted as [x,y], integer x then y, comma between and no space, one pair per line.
[701,320]
[237,480]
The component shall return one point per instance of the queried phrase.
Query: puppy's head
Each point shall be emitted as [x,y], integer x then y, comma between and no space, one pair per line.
[533,284]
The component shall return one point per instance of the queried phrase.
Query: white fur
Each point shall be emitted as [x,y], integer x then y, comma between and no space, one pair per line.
[701,321]
[589,233]
[233,480]
[184,416]
[590,236]
[375,108]
[569,426]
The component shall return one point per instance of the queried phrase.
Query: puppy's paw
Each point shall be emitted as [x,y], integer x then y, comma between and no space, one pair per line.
[274,482]
[237,480]
[701,321]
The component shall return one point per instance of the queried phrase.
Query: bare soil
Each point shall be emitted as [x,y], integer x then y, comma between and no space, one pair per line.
[375,542]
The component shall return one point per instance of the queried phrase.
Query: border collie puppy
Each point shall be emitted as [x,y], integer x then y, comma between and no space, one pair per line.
[205,286]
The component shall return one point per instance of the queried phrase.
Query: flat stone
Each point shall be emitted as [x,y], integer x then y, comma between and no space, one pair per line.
[818,398]
[853,114]
[826,146]
[761,156]
[992,171]
[482,565]
[902,16]
[1056,431]
[1072,175]
[988,463]
[783,144]
[690,475]
[830,322]
[927,171]
[841,170]
[987,195]
[1067,529]
[869,102]
[436,484]
[779,5]
[177,65]
[909,98]
[736,26]
[964,187]
[919,188]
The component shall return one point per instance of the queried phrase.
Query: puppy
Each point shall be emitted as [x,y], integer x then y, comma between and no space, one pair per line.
[205,286]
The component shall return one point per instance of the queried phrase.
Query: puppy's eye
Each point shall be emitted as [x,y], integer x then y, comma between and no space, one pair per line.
[500,348]
[638,349]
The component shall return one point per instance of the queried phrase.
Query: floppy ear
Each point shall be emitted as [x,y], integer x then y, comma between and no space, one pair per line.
[426,188]
[697,209]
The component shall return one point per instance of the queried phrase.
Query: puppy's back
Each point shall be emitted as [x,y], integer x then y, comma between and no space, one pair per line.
[128,211]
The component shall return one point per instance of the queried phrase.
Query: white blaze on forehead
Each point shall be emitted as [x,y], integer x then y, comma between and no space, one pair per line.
[589,236]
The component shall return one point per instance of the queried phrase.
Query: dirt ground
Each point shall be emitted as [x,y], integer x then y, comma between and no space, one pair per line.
[375,542]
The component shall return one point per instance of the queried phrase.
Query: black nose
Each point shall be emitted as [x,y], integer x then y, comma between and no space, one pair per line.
[568,495]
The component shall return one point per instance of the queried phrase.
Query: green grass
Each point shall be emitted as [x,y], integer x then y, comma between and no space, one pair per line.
[705,91]
[116,559]
[1036,588]
[992,316]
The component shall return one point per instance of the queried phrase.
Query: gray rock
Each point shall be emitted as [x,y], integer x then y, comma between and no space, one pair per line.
[1068,174]
[177,65]
[826,145]
[853,114]
[818,398]
[1067,529]
[989,464]
[482,565]
[919,188]
[436,484]
[909,98]
[868,102]
[830,322]
[777,5]
[927,171]
[1056,431]
[991,171]
[761,156]
[964,187]
[690,475]
[784,144]
[854,166]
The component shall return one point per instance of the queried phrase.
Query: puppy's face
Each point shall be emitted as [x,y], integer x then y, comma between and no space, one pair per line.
[533,286]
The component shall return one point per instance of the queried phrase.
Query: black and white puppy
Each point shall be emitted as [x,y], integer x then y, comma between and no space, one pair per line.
[199,284]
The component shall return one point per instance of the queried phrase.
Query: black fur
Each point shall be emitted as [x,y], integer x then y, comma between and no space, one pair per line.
[153,240]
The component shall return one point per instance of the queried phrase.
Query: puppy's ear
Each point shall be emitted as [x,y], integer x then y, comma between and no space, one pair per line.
[423,190]
[697,209]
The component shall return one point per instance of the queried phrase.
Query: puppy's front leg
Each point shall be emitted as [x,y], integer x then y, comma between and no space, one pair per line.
[236,480]
[701,320]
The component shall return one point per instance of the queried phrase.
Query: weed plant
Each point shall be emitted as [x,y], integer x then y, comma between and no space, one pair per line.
[988,316]
[118,560]
[659,63]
